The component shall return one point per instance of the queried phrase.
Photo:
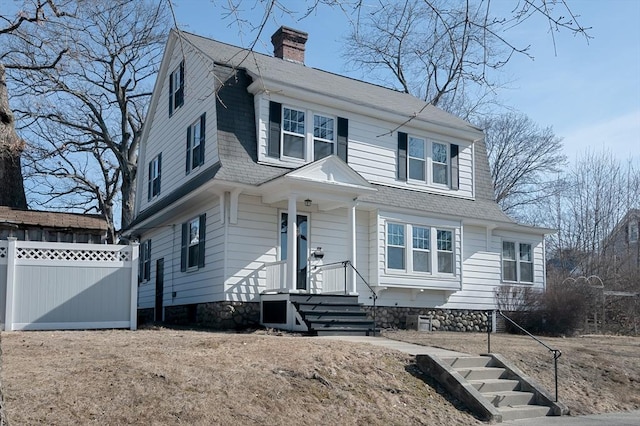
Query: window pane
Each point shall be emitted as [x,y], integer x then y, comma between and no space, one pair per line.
[195,156]
[293,121]
[416,169]
[421,238]
[395,257]
[525,252]
[422,261]
[445,240]
[439,153]
[445,262]
[526,272]
[323,127]
[508,250]
[283,236]
[293,146]
[322,149]
[395,234]
[416,148]
[194,232]
[193,256]
[440,174]
[508,270]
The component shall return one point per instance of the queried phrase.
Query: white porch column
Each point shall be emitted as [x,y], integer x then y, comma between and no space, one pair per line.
[11,283]
[292,243]
[352,248]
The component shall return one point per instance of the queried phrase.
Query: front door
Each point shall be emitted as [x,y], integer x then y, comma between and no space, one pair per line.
[159,289]
[303,249]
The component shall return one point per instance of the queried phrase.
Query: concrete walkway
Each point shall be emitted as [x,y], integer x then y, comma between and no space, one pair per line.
[627,418]
[408,348]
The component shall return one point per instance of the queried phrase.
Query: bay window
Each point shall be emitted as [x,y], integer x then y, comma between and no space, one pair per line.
[421,258]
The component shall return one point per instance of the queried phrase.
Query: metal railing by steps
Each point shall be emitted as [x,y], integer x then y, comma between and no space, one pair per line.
[556,352]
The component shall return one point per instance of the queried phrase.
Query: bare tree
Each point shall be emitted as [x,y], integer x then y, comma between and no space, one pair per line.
[86,114]
[525,160]
[445,52]
[11,145]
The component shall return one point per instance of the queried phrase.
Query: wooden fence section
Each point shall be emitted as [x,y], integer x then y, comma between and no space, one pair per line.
[52,286]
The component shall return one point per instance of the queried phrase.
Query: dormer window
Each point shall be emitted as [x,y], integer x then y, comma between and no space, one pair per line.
[422,160]
[304,135]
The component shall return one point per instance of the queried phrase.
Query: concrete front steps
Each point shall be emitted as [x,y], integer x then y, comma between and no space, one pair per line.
[491,387]
[331,315]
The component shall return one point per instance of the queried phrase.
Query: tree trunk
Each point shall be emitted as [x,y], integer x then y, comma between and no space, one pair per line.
[11,146]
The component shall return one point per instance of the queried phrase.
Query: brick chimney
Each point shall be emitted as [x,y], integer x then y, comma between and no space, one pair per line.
[288,44]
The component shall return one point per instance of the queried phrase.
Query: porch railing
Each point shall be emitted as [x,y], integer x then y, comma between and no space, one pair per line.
[276,275]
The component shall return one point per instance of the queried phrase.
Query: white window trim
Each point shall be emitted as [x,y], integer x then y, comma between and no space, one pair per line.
[195,126]
[408,251]
[428,181]
[175,76]
[145,257]
[155,174]
[190,244]
[518,261]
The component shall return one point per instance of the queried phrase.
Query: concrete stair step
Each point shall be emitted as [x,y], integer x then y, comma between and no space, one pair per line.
[328,307]
[523,412]
[313,316]
[340,331]
[509,398]
[323,298]
[495,385]
[481,373]
[469,361]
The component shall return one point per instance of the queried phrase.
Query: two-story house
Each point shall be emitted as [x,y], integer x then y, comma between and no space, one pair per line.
[261,178]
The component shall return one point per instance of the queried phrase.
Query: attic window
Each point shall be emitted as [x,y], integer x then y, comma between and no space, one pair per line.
[176,89]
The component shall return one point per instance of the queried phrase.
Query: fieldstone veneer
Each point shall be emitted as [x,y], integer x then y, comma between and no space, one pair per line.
[441,319]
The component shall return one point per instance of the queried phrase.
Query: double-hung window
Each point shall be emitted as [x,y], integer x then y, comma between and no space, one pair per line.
[417,158]
[195,144]
[293,133]
[517,262]
[323,136]
[193,243]
[421,259]
[633,231]
[427,161]
[305,135]
[155,171]
[176,88]
[439,163]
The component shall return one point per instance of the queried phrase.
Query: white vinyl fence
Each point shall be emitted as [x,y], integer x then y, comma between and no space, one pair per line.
[51,286]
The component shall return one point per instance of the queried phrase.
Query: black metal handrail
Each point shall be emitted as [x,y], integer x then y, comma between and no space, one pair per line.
[374,297]
[557,353]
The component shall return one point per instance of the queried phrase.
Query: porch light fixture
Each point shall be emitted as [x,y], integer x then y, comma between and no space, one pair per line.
[307,202]
[317,253]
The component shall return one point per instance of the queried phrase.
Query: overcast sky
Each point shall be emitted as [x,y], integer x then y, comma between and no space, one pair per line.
[589,92]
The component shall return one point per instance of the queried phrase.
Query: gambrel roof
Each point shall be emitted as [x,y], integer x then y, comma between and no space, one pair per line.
[235,69]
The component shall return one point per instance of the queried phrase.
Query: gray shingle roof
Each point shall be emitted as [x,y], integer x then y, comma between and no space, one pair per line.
[314,80]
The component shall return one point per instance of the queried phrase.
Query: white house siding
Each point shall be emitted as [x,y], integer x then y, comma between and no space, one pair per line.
[250,244]
[202,285]
[372,148]
[168,135]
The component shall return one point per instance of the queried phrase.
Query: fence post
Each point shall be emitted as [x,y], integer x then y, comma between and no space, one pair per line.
[133,320]
[11,281]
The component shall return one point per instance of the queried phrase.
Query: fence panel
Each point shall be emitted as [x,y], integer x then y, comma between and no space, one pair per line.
[70,286]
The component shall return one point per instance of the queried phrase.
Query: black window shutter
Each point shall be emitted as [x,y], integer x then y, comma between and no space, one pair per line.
[455,168]
[140,263]
[159,180]
[275,116]
[180,92]
[201,239]
[147,264]
[188,163]
[402,156]
[150,183]
[343,138]
[184,247]
[203,119]
[170,94]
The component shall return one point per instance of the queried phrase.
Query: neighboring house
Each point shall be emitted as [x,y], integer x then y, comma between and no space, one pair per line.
[255,171]
[623,247]
[35,225]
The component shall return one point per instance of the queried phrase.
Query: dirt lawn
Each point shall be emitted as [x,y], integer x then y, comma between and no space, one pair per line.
[169,376]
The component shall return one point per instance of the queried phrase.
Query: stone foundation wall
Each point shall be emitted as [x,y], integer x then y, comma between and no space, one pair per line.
[216,315]
[442,319]
[145,316]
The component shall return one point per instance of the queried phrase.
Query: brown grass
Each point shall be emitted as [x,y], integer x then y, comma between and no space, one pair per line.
[169,376]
